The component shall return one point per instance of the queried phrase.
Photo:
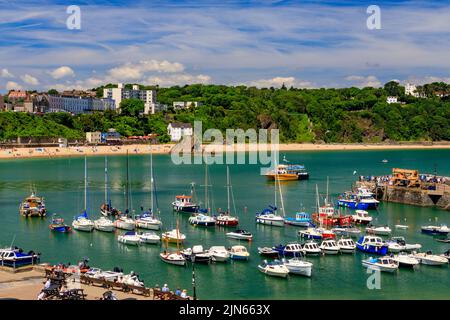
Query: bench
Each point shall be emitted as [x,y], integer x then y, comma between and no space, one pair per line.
[159,295]
[136,289]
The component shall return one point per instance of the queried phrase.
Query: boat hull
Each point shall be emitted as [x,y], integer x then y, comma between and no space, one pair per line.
[124,225]
[227,223]
[238,257]
[273,273]
[176,262]
[148,225]
[270,222]
[380,250]
[379,267]
[305,271]
[353,205]
[62,229]
[185,209]
[104,228]
[239,237]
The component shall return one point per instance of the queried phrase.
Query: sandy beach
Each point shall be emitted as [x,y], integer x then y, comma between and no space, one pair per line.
[52,152]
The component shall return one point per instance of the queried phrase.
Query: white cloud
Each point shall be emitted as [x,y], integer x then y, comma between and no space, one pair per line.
[4,73]
[360,81]
[178,79]
[62,72]
[11,85]
[30,80]
[278,82]
[136,71]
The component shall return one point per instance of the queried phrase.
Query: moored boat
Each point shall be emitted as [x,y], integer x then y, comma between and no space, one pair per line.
[365,196]
[225,219]
[350,200]
[219,254]
[83,223]
[301,219]
[298,266]
[130,238]
[361,217]
[329,247]
[14,257]
[240,235]
[274,268]
[149,237]
[203,220]
[346,245]
[174,258]
[347,231]
[104,224]
[372,244]
[310,233]
[239,253]
[311,248]
[124,222]
[268,252]
[386,264]
[379,230]
[436,230]
[196,254]
[289,250]
[288,172]
[429,258]
[58,225]
[33,206]
[269,217]
[173,236]
[406,260]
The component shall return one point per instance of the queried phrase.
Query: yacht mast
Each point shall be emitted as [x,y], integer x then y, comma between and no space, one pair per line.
[151,180]
[106,181]
[228,191]
[281,199]
[85,183]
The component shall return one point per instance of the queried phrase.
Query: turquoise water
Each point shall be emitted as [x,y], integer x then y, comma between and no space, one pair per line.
[60,181]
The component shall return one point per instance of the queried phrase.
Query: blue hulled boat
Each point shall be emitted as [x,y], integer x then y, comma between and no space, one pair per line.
[58,225]
[289,250]
[302,219]
[372,244]
[351,201]
[14,257]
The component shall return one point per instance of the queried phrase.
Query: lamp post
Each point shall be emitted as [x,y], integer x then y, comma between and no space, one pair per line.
[194,293]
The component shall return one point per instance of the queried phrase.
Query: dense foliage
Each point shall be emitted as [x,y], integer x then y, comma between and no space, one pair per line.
[302,115]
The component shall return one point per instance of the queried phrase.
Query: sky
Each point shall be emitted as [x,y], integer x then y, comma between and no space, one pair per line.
[306,44]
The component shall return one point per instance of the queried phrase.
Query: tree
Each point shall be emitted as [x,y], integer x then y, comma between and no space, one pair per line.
[53,91]
[393,88]
[131,107]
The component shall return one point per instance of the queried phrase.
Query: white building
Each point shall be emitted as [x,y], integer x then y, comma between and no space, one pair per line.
[77,105]
[410,89]
[94,137]
[120,93]
[186,104]
[178,130]
[391,99]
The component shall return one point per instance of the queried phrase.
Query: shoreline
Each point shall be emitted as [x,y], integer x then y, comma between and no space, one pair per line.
[140,149]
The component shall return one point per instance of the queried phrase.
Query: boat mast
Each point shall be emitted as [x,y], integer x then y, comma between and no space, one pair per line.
[317,199]
[281,199]
[326,199]
[85,183]
[127,186]
[151,180]
[206,188]
[106,181]
[228,191]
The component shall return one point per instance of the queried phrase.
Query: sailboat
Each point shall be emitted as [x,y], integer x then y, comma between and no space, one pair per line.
[106,208]
[269,215]
[202,217]
[124,221]
[82,222]
[224,218]
[175,258]
[148,220]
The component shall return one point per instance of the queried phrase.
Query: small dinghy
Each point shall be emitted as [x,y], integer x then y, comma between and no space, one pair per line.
[268,252]
[274,268]
[298,266]
[430,259]
[310,233]
[386,264]
[239,253]
[58,225]
[397,244]
[173,236]
[311,248]
[446,255]
[149,238]
[130,238]
[347,231]
[346,245]
[401,226]
[406,260]
[436,230]
[379,230]
[219,254]
[329,247]
[240,235]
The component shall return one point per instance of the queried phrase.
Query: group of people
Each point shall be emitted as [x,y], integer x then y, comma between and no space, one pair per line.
[178,291]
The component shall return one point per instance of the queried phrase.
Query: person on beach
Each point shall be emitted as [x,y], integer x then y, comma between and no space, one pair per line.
[178,292]
[165,288]
[184,293]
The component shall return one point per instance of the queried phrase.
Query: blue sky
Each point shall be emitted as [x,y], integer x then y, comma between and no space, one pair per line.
[261,43]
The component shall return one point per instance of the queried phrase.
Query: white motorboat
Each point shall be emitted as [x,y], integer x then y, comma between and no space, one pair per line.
[298,266]
[385,263]
[401,226]
[240,235]
[406,260]
[82,223]
[104,224]
[130,238]
[430,259]
[436,230]
[201,219]
[97,273]
[397,244]
[346,245]
[274,268]
[379,230]
[361,217]
[239,253]
[365,196]
[311,248]
[174,258]
[149,238]
[173,236]
[219,254]
[197,254]
[131,279]
[446,255]
[329,247]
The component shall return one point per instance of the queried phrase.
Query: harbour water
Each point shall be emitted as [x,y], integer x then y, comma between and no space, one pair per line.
[60,181]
